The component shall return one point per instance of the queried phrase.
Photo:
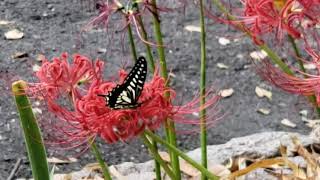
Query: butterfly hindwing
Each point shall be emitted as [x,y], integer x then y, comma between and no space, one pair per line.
[126,95]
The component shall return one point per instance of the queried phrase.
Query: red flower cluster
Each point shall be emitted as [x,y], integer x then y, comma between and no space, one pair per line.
[88,116]
[130,14]
[303,84]
[279,17]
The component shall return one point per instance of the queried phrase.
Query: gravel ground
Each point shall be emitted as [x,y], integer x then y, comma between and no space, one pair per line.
[52,26]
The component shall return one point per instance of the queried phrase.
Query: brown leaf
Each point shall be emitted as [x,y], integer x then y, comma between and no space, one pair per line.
[184,166]
[18,55]
[55,160]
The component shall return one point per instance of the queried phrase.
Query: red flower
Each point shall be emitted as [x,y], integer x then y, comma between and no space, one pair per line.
[278,17]
[89,116]
[131,14]
[303,83]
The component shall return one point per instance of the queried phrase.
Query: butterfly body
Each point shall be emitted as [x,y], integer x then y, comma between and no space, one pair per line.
[126,95]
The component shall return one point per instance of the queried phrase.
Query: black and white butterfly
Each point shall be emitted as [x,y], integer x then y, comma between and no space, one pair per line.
[126,95]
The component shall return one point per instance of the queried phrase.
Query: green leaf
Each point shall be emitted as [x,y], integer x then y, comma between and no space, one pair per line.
[34,143]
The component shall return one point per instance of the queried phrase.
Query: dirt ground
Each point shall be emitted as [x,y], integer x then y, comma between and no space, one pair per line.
[51,27]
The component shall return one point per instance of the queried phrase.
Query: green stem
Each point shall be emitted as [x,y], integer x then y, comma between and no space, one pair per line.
[148,47]
[182,155]
[170,126]
[276,59]
[97,154]
[297,52]
[32,135]
[273,56]
[203,128]
[132,44]
[150,59]
[156,162]
[152,67]
[313,98]
[157,157]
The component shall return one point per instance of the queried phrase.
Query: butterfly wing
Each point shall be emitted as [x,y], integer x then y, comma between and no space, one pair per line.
[126,95]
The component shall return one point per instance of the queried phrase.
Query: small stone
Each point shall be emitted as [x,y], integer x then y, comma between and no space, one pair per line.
[223,41]
[288,123]
[226,92]
[222,66]
[102,50]
[13,34]
[264,111]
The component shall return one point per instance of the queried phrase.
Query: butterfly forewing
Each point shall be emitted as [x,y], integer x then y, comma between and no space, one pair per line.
[126,95]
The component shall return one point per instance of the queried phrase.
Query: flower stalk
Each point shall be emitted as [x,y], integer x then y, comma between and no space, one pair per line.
[32,135]
[182,155]
[157,157]
[170,126]
[203,124]
[148,47]
[150,58]
[132,44]
[104,167]
[313,98]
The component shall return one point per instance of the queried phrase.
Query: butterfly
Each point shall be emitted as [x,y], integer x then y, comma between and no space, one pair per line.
[126,95]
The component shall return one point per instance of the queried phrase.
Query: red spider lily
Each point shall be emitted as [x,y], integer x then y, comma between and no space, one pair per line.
[307,85]
[279,17]
[130,14]
[311,10]
[89,116]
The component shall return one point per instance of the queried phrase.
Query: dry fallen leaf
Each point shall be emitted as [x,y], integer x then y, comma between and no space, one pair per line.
[217,169]
[40,57]
[258,55]
[13,34]
[62,177]
[192,28]
[2,22]
[288,123]
[222,66]
[263,93]
[223,41]
[184,166]
[303,112]
[264,111]
[113,170]
[61,161]
[226,92]
[18,55]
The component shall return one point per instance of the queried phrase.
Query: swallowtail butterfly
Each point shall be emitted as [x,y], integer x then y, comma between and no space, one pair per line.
[126,95]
